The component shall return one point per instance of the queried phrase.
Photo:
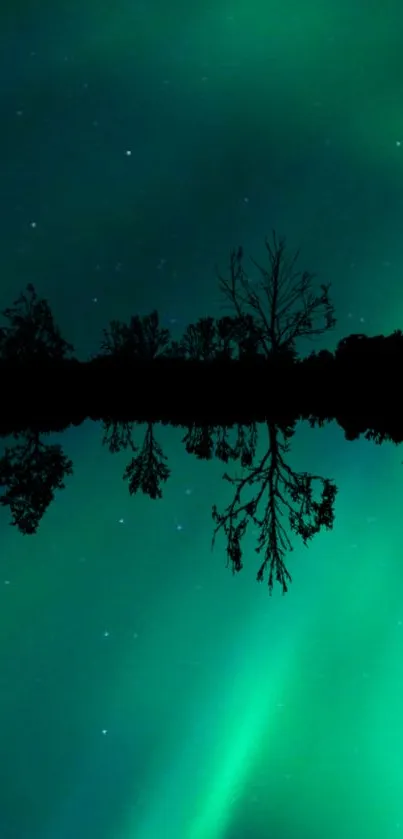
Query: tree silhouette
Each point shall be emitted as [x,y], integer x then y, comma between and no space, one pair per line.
[118,435]
[32,333]
[31,471]
[223,339]
[148,470]
[241,370]
[283,309]
[141,338]
[284,306]
[287,492]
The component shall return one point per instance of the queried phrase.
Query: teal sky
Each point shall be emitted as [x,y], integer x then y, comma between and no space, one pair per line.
[145,692]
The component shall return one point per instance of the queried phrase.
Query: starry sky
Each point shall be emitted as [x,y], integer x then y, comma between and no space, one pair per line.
[145,692]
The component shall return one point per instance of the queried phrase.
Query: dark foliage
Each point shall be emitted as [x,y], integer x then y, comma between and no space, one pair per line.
[228,338]
[118,435]
[32,332]
[30,472]
[147,471]
[142,337]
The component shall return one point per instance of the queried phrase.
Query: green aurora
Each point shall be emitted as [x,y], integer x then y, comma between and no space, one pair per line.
[145,692]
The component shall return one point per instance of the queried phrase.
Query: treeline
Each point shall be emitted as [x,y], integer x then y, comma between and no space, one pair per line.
[241,368]
[357,385]
[226,381]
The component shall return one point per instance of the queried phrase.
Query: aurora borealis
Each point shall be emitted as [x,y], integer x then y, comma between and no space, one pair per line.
[145,692]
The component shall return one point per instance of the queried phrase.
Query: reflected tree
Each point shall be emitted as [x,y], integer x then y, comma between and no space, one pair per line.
[117,435]
[208,441]
[147,470]
[280,491]
[30,472]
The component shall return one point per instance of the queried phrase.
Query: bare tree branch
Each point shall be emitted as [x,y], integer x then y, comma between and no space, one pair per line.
[283,303]
[287,493]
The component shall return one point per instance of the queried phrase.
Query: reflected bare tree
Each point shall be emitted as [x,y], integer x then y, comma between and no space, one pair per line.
[147,470]
[280,491]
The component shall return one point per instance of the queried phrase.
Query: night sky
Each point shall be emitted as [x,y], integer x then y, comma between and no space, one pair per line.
[145,691]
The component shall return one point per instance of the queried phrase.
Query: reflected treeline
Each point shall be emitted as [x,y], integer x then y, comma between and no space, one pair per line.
[224,379]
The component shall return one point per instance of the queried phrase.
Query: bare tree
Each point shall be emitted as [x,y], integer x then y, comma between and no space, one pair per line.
[275,480]
[283,304]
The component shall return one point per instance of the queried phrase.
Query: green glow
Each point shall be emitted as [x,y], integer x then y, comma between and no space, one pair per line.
[227,714]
